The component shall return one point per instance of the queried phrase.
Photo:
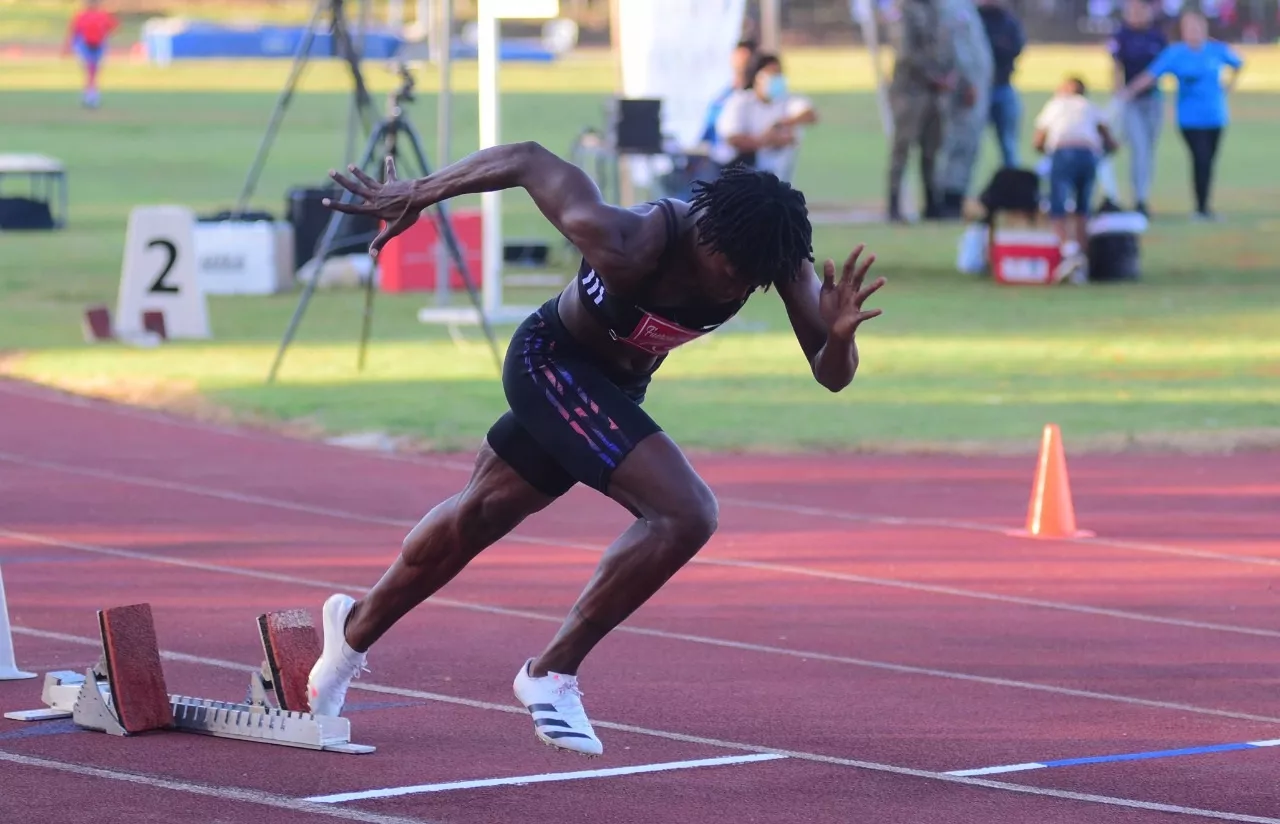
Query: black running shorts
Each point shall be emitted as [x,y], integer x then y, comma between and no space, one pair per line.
[572,418]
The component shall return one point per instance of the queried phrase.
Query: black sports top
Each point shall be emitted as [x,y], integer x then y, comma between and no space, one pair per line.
[656,330]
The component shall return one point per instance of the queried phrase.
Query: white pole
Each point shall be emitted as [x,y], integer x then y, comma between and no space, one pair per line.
[443,27]
[490,202]
[770,25]
[8,664]
[422,16]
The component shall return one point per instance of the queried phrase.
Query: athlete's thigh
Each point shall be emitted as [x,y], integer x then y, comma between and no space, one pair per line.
[656,480]
[582,423]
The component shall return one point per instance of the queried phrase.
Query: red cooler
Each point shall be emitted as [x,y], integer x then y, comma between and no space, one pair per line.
[408,261]
[1024,256]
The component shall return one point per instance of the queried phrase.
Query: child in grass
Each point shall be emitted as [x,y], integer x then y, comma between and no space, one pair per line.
[88,35]
[1072,132]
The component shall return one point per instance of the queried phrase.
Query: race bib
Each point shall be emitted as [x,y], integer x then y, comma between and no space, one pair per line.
[657,336]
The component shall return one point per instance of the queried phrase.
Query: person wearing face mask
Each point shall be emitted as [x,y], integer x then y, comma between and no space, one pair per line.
[1197,63]
[760,124]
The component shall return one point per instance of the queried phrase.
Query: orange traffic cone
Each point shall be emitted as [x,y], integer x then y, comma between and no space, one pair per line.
[1051,514]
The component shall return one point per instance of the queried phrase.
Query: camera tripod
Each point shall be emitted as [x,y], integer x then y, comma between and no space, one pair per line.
[361,103]
[386,137]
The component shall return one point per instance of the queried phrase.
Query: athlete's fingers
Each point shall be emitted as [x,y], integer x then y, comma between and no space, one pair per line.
[363,177]
[389,231]
[828,275]
[861,273]
[851,263]
[349,208]
[352,186]
[391,168]
[868,291]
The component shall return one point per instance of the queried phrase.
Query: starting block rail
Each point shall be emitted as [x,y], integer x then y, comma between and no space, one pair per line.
[91,700]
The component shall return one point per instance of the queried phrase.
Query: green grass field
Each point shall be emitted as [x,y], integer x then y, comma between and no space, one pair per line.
[1188,356]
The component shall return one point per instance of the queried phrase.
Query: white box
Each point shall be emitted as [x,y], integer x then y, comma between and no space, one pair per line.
[244,257]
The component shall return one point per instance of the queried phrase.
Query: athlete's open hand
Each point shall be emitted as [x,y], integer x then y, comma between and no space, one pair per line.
[390,201]
[840,304]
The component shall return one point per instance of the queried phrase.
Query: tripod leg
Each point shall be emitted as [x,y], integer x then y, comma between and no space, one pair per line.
[322,252]
[277,114]
[346,49]
[367,322]
[445,230]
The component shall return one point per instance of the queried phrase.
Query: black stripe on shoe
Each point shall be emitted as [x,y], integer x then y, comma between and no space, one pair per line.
[551,722]
[564,734]
[542,708]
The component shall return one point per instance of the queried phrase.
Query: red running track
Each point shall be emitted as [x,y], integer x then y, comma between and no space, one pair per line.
[859,627]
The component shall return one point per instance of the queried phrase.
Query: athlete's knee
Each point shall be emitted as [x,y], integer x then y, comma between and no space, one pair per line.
[686,527]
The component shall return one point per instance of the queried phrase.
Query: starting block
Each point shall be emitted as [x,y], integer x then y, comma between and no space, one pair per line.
[125,694]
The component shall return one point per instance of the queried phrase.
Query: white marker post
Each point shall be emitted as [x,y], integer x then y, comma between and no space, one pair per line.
[490,13]
[8,663]
[159,274]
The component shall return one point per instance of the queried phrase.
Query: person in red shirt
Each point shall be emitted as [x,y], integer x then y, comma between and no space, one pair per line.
[88,34]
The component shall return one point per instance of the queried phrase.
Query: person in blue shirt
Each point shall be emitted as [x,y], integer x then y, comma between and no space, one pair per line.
[1008,39]
[741,60]
[1133,48]
[1197,63]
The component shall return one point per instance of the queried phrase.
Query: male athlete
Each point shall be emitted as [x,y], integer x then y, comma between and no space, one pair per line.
[652,277]
[87,34]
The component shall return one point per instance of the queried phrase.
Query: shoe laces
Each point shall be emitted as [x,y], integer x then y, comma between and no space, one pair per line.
[354,667]
[569,704]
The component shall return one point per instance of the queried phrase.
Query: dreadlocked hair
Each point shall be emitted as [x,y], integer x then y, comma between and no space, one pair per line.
[758,222]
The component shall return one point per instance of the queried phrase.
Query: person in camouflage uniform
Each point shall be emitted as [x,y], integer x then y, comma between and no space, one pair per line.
[965,107]
[922,70]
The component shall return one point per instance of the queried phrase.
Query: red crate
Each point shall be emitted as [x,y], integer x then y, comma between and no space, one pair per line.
[408,261]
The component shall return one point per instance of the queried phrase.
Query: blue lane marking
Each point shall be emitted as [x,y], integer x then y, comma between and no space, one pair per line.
[36,729]
[1138,756]
[1104,759]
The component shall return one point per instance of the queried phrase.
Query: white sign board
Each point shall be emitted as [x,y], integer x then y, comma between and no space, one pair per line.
[520,9]
[159,274]
[243,257]
[678,51]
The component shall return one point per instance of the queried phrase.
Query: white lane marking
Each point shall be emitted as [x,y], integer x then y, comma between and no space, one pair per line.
[39,392]
[708,560]
[729,745]
[973,526]
[541,778]
[236,794]
[808,655]
[1007,768]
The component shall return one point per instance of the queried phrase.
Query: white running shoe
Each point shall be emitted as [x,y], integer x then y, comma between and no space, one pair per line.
[338,663]
[555,702]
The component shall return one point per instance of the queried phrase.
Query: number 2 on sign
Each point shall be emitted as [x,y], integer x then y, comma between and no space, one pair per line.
[158,285]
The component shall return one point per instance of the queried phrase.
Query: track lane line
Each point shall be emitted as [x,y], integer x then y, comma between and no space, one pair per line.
[801,755]
[233,794]
[45,394]
[904,669]
[702,559]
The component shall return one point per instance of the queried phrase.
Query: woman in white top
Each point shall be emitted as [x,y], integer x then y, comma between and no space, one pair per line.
[759,124]
[1071,132]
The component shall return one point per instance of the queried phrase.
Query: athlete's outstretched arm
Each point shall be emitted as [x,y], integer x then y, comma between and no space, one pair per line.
[606,235]
[825,315]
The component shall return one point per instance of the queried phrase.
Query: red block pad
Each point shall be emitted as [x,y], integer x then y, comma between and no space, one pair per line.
[292,645]
[97,324]
[154,322]
[138,691]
